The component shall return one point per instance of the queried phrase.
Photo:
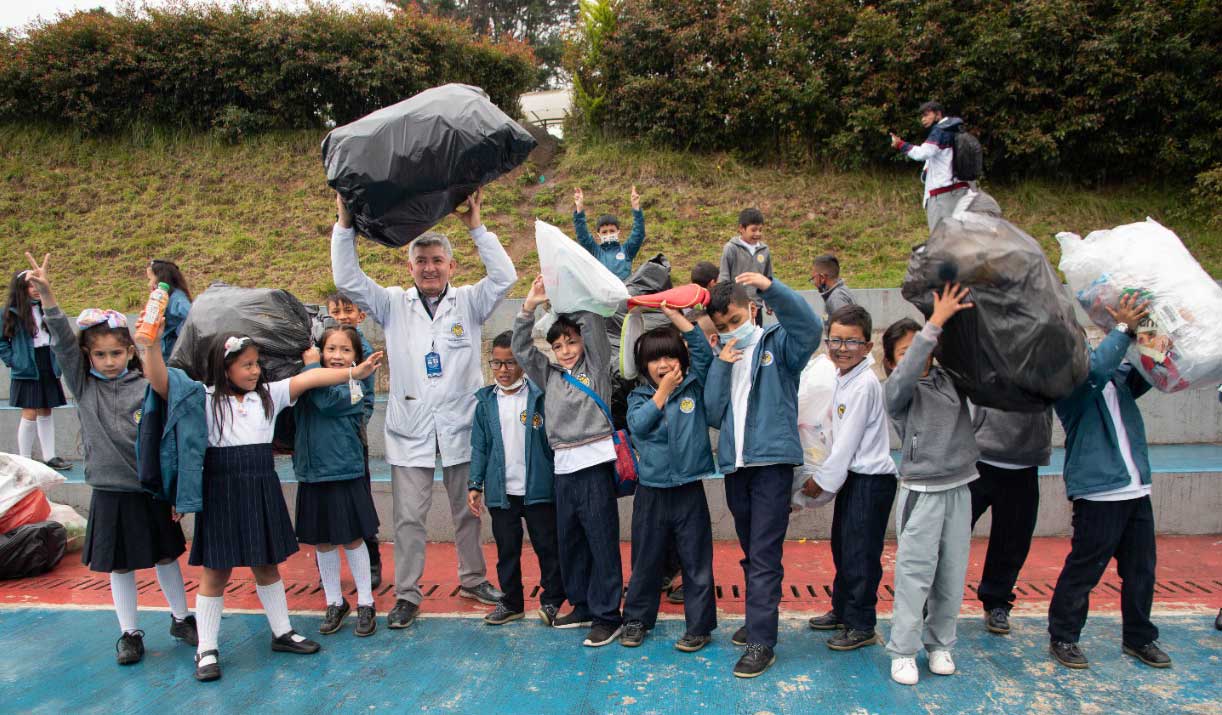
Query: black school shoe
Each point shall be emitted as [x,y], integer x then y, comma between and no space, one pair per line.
[740,637]
[852,639]
[502,615]
[675,595]
[997,621]
[185,630]
[402,615]
[484,593]
[1068,655]
[58,463]
[333,620]
[632,635]
[601,634]
[572,619]
[827,622]
[130,648]
[690,643]
[212,671]
[292,642]
[1150,654]
[755,661]
[366,621]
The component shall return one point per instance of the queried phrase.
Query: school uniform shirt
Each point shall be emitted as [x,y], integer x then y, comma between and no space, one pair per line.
[1134,489]
[245,422]
[861,437]
[427,415]
[41,338]
[740,392]
[511,409]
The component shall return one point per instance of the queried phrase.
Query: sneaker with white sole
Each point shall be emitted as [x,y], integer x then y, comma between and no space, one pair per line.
[602,634]
[940,663]
[904,671]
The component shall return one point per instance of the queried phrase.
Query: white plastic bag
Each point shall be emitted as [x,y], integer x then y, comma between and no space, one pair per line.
[1180,344]
[19,476]
[574,279]
[542,325]
[73,522]
[816,388]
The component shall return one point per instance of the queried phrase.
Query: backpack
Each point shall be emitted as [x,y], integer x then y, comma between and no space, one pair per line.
[967,159]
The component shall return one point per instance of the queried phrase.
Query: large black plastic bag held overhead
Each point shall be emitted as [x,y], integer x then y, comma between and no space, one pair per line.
[405,167]
[273,318]
[1021,347]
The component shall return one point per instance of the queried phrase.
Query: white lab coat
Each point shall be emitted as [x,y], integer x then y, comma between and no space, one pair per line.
[423,414]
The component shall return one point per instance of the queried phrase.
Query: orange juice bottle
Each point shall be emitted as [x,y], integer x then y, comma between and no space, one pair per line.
[153,310]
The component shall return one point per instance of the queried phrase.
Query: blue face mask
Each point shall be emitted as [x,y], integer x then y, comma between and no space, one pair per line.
[100,376]
[745,334]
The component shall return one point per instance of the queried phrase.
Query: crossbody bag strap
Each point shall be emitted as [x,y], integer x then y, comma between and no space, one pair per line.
[593,395]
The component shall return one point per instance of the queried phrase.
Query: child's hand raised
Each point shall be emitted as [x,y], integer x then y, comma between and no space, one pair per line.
[38,273]
[676,318]
[367,368]
[896,142]
[579,200]
[537,295]
[342,215]
[471,218]
[729,353]
[950,302]
[635,198]
[758,281]
[1131,310]
[311,356]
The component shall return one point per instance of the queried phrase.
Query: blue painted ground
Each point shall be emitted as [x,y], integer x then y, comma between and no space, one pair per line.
[1164,459]
[57,661]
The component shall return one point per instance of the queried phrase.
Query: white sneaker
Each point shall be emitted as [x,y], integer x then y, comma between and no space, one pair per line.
[904,671]
[940,663]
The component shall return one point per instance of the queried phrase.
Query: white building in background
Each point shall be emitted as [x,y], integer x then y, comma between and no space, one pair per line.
[547,108]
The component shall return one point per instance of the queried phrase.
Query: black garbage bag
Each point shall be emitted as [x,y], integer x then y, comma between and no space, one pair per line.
[653,276]
[32,550]
[1021,347]
[273,318]
[405,167]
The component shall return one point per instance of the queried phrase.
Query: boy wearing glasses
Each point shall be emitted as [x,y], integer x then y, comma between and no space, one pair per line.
[860,472]
[511,472]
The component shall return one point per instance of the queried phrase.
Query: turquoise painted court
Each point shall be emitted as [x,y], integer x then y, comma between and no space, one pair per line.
[61,661]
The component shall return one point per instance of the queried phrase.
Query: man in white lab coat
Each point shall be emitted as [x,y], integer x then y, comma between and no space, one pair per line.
[433,346]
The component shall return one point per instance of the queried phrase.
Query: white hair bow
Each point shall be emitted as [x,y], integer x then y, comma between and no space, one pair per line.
[235,344]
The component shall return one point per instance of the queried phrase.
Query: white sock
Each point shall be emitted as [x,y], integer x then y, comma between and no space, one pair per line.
[46,437]
[276,606]
[208,610]
[169,576]
[27,430]
[328,569]
[358,564]
[123,591]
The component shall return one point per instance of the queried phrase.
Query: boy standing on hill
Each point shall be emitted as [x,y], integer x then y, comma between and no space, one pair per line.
[607,248]
[942,189]
[747,253]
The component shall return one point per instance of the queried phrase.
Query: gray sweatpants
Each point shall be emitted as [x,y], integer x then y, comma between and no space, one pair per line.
[942,206]
[412,490]
[935,532]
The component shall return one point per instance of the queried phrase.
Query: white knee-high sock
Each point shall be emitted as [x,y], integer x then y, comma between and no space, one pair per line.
[208,610]
[328,569]
[276,606]
[169,577]
[46,437]
[358,564]
[123,591]
[27,430]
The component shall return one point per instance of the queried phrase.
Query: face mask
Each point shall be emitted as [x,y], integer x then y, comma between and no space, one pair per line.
[512,388]
[100,376]
[745,334]
[610,238]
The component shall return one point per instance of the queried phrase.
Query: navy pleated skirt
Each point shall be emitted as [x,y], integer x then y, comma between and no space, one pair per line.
[335,512]
[129,530]
[244,521]
[41,393]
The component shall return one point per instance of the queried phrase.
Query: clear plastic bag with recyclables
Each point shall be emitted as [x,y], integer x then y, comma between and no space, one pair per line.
[574,279]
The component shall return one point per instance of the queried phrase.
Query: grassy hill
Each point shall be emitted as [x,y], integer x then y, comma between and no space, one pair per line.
[260,213]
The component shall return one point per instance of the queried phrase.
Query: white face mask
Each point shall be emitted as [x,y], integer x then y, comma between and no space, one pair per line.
[609,238]
[517,385]
[745,334]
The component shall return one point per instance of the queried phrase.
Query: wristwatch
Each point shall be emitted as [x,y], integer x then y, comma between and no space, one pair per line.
[1124,328]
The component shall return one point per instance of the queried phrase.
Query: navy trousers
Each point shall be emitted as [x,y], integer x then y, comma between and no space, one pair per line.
[1014,497]
[672,518]
[859,524]
[758,498]
[507,530]
[587,527]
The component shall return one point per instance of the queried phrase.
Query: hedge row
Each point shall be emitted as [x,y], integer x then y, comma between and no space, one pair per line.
[241,69]
[1087,88]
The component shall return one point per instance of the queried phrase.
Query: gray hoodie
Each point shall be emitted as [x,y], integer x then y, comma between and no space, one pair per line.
[736,259]
[1013,437]
[932,418]
[109,411]
[573,417]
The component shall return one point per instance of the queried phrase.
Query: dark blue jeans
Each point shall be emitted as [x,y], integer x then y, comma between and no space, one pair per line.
[859,524]
[587,527]
[758,498]
[664,519]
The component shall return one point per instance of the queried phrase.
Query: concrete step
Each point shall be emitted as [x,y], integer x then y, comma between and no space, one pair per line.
[1187,498]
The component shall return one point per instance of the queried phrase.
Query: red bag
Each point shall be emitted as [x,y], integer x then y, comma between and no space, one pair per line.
[30,509]
[680,298]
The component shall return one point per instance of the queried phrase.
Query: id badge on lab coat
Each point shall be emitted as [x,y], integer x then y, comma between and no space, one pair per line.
[432,364]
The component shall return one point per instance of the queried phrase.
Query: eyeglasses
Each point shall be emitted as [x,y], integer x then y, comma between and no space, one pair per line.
[841,344]
[498,364]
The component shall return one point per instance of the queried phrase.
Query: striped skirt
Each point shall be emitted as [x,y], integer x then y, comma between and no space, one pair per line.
[244,521]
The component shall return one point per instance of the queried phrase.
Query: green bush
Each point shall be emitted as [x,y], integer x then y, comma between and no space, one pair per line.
[243,69]
[1098,90]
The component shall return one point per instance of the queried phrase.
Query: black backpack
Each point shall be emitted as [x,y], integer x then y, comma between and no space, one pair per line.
[967,161]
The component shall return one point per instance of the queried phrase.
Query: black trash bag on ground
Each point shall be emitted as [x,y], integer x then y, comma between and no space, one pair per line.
[273,318]
[32,550]
[405,167]
[653,276]
[1021,347]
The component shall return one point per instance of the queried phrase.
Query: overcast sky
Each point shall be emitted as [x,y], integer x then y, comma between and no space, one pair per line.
[17,13]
